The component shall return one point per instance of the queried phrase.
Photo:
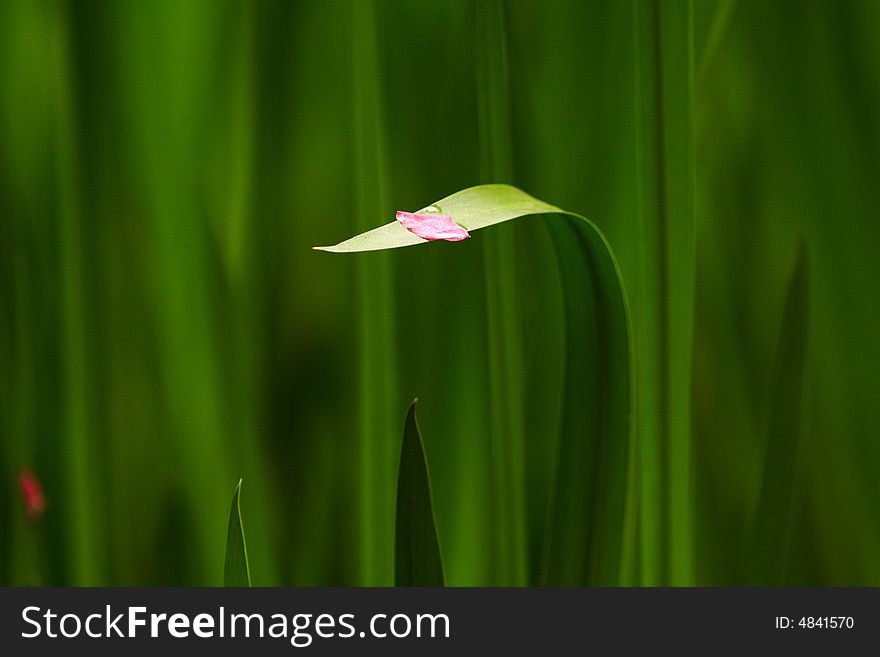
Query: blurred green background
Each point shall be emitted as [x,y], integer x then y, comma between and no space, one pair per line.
[165,328]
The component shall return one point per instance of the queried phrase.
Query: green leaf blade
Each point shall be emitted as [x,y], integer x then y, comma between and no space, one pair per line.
[663,287]
[417,560]
[474,208]
[584,532]
[586,523]
[237,572]
[376,405]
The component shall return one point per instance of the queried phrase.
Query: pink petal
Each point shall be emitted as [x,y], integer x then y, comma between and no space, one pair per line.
[32,494]
[433,226]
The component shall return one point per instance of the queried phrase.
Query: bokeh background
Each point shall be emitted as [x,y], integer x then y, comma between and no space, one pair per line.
[165,328]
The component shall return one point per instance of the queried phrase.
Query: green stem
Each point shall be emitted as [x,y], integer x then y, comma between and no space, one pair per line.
[82,477]
[663,302]
[377,374]
[248,326]
[507,439]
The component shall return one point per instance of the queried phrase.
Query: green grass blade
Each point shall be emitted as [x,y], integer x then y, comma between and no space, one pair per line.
[503,315]
[677,52]
[765,555]
[496,143]
[586,519]
[586,523]
[474,208]
[237,571]
[663,293]
[87,561]
[417,560]
[377,370]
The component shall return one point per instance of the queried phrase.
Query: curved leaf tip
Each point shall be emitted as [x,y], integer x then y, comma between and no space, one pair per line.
[236,571]
[417,560]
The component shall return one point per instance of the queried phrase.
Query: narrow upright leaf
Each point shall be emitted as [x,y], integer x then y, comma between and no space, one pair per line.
[417,560]
[237,572]
[662,289]
[504,349]
[374,325]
